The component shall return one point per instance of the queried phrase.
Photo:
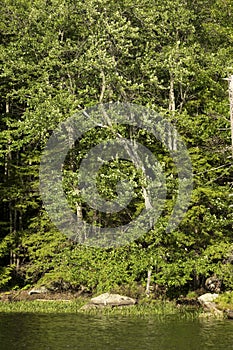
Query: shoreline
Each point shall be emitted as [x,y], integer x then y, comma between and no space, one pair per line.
[68,302]
[75,302]
[21,301]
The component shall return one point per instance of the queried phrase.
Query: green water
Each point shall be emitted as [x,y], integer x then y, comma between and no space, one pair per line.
[64,331]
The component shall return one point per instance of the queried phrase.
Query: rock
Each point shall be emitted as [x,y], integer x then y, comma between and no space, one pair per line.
[207,298]
[229,314]
[113,300]
[207,301]
[40,290]
[213,284]
[108,300]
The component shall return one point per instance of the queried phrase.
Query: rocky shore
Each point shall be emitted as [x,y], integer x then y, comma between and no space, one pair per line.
[207,302]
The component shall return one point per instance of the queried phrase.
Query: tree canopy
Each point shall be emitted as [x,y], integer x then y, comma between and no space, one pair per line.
[60,57]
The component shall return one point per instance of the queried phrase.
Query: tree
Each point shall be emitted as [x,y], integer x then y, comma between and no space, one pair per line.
[59,57]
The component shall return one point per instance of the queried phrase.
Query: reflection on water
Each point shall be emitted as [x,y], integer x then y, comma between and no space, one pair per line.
[60,332]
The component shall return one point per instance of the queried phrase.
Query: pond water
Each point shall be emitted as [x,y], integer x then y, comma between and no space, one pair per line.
[86,332]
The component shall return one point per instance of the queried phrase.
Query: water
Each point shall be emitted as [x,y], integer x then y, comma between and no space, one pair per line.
[85,332]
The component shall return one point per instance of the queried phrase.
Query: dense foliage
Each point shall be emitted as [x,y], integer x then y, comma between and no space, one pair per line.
[58,57]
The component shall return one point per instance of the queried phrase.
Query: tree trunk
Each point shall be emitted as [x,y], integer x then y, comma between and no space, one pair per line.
[231,109]
[149,272]
[172,104]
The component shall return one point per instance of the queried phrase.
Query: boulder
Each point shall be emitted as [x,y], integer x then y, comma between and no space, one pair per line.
[207,301]
[113,300]
[213,284]
[40,290]
[229,314]
[108,300]
[207,298]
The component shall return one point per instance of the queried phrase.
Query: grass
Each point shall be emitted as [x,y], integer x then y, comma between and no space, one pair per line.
[150,308]
[148,311]
[41,306]
[225,301]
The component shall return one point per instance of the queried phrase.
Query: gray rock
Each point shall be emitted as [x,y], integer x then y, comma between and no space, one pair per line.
[113,300]
[229,314]
[207,301]
[213,284]
[207,298]
[40,290]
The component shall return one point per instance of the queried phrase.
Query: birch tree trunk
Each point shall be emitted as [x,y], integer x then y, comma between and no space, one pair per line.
[149,272]
[172,103]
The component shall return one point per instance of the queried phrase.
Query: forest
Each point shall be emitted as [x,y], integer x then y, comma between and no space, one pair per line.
[58,58]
